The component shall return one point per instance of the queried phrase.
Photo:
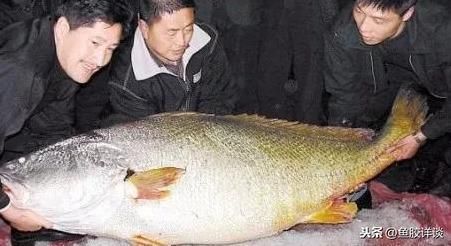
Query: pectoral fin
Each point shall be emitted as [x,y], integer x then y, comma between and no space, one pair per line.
[153,184]
[143,240]
[337,212]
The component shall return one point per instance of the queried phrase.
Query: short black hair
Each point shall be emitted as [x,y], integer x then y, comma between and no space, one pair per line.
[149,10]
[87,12]
[399,6]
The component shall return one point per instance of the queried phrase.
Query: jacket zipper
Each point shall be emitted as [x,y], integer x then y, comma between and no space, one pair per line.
[413,68]
[187,87]
[372,72]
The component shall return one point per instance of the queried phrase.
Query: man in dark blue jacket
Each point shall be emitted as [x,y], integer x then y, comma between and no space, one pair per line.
[42,61]
[171,64]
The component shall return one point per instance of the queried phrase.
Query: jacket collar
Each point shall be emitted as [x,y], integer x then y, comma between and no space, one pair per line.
[144,66]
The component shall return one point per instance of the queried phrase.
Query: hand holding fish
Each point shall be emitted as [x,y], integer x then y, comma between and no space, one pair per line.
[407,147]
[24,219]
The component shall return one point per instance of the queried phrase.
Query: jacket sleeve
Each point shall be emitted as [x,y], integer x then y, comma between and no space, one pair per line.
[440,123]
[17,93]
[219,92]
[345,101]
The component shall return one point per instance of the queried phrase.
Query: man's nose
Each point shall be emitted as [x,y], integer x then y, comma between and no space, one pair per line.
[364,25]
[181,39]
[100,57]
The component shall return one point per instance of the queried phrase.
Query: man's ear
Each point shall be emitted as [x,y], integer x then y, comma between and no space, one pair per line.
[143,27]
[408,14]
[62,27]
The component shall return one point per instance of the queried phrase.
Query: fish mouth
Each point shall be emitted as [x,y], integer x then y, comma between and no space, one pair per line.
[8,178]
[14,187]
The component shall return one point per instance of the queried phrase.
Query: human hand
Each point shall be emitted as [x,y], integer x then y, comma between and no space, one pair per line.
[407,147]
[24,219]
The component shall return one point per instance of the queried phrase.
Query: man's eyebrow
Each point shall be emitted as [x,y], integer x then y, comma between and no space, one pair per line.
[372,15]
[177,29]
[103,40]
[189,24]
[378,17]
[98,38]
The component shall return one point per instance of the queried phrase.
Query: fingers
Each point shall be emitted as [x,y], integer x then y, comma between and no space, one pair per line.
[26,220]
[47,225]
[397,154]
[391,150]
[26,227]
[396,147]
[400,152]
[403,150]
[36,220]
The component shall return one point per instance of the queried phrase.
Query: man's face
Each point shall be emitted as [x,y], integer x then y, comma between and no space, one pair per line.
[168,36]
[83,51]
[376,26]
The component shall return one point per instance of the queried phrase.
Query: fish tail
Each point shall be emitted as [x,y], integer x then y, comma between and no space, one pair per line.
[407,116]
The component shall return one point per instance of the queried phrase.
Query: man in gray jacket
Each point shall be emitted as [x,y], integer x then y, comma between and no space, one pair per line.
[171,64]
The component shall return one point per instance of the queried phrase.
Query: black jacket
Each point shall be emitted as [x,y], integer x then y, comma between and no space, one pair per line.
[33,90]
[360,90]
[207,86]
[36,95]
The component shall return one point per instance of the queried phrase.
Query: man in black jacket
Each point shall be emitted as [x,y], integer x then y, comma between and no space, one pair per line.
[376,46]
[171,64]
[41,63]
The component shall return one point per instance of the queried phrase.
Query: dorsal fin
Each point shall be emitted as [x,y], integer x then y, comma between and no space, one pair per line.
[179,114]
[327,132]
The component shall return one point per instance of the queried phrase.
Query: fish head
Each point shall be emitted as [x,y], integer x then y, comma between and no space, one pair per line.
[75,169]
[20,174]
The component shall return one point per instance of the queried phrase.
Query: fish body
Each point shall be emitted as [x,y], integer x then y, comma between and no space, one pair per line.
[204,179]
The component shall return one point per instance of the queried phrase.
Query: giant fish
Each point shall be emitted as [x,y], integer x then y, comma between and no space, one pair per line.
[191,178]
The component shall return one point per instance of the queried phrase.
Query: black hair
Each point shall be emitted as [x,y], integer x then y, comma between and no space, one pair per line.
[399,6]
[150,10]
[87,12]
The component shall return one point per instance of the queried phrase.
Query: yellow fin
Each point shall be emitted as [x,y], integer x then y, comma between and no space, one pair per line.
[153,184]
[337,212]
[142,240]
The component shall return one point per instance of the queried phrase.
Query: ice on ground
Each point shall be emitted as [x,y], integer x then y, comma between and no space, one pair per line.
[368,222]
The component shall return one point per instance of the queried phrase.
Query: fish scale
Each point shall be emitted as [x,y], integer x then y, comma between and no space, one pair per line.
[204,179]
